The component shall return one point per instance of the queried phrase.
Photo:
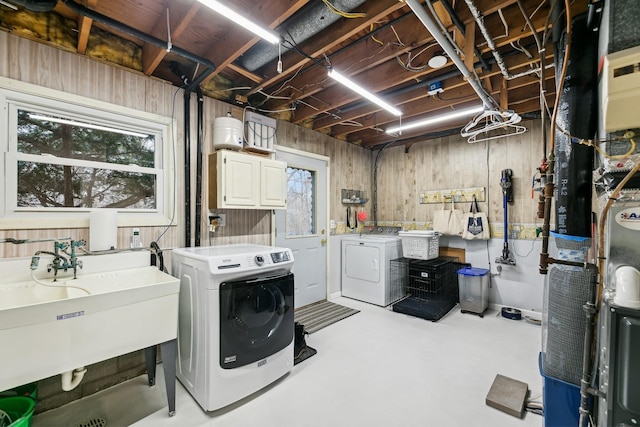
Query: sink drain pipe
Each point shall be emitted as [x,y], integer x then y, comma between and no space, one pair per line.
[71,379]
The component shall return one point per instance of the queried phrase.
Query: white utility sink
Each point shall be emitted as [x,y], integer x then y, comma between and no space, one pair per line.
[126,305]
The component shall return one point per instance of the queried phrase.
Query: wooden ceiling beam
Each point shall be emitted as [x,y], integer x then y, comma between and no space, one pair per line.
[380,78]
[461,95]
[229,49]
[328,39]
[181,14]
[84,28]
[419,94]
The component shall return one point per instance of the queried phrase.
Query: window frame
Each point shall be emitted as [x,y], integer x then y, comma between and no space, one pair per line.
[15,95]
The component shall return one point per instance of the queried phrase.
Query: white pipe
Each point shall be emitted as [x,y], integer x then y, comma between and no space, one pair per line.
[418,10]
[71,379]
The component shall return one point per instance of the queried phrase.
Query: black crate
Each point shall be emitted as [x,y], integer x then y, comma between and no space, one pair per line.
[431,286]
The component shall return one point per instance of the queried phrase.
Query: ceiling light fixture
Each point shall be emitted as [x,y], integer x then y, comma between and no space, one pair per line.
[234,16]
[438,60]
[436,119]
[363,92]
[86,125]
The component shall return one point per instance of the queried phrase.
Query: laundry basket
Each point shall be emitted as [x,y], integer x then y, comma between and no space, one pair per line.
[420,244]
[16,411]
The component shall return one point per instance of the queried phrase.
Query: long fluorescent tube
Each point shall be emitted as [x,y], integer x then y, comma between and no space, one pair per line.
[86,125]
[234,16]
[436,119]
[363,92]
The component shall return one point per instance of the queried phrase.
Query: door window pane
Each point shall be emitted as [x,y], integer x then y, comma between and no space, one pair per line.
[301,206]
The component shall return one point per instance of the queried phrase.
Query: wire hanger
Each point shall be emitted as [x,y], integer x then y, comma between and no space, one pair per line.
[492,120]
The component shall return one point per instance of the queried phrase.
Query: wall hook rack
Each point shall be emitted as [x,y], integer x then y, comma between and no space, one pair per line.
[458,195]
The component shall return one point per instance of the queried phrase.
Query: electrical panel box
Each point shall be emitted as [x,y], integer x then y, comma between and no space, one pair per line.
[620,90]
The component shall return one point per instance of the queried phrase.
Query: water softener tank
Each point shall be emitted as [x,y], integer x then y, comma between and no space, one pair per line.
[227,133]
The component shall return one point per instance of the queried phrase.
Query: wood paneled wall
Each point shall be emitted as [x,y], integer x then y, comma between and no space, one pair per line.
[42,65]
[451,162]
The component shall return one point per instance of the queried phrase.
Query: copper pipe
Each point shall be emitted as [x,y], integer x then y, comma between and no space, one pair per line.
[549,185]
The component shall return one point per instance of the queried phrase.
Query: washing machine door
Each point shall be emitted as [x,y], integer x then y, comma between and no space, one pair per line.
[256,318]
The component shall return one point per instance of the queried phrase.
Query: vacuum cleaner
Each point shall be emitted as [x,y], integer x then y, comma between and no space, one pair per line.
[507,197]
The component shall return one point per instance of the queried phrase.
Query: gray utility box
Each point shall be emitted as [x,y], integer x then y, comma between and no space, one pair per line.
[473,287]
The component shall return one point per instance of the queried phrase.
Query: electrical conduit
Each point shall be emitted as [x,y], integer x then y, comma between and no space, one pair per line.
[432,27]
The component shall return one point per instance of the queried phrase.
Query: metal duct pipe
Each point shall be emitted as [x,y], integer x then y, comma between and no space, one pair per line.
[432,27]
[494,50]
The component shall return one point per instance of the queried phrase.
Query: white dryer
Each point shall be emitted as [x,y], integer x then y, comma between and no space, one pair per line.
[366,274]
[235,332]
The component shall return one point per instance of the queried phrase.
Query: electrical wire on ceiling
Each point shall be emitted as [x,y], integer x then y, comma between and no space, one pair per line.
[407,65]
[504,24]
[517,46]
[534,12]
[439,97]
[373,37]
[261,92]
[349,15]
[286,82]
[351,123]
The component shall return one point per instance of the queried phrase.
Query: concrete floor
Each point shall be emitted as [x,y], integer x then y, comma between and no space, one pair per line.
[376,368]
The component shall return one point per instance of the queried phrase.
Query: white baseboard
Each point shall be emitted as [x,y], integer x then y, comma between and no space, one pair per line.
[335,295]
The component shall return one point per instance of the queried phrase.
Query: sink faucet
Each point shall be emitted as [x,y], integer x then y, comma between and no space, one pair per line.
[59,261]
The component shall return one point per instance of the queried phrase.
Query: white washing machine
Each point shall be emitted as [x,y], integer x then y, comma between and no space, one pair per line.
[366,274]
[235,332]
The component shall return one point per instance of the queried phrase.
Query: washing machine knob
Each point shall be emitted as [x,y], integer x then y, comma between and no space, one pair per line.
[259,259]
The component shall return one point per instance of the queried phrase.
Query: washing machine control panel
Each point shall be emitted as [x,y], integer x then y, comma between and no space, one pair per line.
[280,256]
[259,260]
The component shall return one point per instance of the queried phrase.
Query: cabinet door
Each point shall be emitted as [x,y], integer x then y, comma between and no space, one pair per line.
[273,186]
[241,180]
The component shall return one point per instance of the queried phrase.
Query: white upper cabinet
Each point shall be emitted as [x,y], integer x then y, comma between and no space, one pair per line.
[244,181]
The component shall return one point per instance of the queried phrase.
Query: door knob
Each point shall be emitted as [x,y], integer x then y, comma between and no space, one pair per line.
[323,241]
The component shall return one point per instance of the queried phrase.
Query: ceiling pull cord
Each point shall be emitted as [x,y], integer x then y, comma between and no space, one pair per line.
[279,68]
[169,45]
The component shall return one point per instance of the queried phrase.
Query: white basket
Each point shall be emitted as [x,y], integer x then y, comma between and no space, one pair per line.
[420,244]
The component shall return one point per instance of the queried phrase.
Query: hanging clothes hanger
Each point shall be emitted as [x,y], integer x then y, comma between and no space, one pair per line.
[492,120]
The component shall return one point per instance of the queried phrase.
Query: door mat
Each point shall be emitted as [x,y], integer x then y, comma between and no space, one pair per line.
[322,314]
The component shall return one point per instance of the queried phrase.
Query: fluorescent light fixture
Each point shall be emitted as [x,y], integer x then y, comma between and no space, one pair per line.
[234,16]
[363,92]
[86,125]
[436,119]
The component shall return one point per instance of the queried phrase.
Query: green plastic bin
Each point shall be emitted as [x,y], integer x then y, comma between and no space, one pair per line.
[28,390]
[16,411]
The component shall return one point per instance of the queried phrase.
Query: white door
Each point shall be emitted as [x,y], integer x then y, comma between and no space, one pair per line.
[303,225]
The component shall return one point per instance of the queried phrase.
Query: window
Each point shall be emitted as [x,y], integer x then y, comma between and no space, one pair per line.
[300,202]
[64,158]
